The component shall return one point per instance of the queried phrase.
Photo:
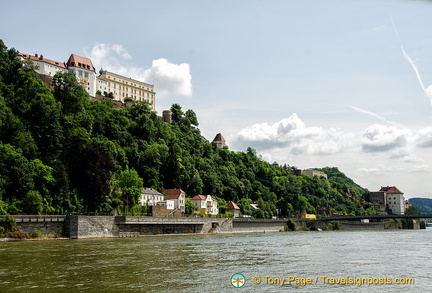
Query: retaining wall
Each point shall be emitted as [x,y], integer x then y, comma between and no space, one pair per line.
[78,226]
[257,225]
[52,226]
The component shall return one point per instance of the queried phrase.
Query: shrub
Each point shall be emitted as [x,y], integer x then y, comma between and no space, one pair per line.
[8,224]
[18,235]
[291,225]
[36,234]
[334,225]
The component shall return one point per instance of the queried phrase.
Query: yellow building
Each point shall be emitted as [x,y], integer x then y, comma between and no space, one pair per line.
[128,88]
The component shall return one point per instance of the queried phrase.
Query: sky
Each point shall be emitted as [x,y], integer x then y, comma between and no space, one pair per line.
[311,83]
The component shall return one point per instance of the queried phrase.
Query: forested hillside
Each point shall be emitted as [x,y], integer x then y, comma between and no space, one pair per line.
[424,205]
[62,153]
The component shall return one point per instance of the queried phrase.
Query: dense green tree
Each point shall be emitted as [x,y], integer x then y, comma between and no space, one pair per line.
[177,112]
[33,203]
[130,185]
[69,93]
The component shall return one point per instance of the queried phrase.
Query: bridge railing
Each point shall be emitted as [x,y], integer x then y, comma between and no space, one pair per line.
[38,218]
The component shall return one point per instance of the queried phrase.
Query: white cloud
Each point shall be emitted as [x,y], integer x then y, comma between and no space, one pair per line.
[424,137]
[168,78]
[370,171]
[295,137]
[383,138]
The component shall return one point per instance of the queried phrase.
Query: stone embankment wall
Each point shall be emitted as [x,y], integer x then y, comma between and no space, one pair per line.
[78,226]
[257,225]
[121,226]
[52,226]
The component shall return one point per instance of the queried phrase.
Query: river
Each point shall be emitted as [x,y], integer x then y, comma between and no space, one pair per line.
[207,263]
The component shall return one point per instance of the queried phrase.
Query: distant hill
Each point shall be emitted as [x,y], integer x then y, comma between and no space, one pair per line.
[423,204]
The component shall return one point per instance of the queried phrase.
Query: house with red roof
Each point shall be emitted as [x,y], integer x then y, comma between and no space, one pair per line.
[43,65]
[233,208]
[178,196]
[389,198]
[205,204]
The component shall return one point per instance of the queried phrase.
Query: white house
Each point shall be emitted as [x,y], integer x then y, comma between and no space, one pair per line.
[169,204]
[205,204]
[394,199]
[150,197]
[44,66]
[178,196]
[233,208]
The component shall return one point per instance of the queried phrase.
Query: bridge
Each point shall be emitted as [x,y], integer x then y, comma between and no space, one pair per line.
[374,217]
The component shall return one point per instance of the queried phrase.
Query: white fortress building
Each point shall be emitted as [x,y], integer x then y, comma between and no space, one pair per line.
[122,88]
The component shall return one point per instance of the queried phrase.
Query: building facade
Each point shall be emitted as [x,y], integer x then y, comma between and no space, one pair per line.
[44,66]
[391,198]
[178,196]
[150,197]
[128,88]
[311,172]
[123,88]
[233,208]
[85,72]
[205,204]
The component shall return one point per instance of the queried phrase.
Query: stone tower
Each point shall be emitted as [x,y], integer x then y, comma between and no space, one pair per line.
[219,140]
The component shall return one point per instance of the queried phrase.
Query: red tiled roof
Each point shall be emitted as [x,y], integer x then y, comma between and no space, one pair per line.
[219,137]
[391,189]
[81,62]
[199,197]
[232,206]
[172,193]
[42,59]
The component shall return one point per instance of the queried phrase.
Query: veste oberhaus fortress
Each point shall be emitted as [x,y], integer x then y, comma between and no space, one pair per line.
[122,88]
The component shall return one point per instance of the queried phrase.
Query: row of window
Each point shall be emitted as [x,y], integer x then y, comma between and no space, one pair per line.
[129,83]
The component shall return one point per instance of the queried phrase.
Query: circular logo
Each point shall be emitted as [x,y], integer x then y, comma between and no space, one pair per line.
[238,280]
[256,280]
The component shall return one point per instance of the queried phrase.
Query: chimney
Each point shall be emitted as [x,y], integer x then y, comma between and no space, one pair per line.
[36,55]
[41,57]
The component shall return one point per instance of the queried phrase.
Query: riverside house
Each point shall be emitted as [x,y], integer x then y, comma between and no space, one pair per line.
[176,195]
[206,204]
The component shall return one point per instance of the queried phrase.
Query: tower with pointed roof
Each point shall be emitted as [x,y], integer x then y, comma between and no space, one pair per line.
[85,72]
[219,140]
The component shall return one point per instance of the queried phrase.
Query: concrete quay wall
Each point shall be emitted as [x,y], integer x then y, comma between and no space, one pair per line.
[81,226]
[51,226]
[257,225]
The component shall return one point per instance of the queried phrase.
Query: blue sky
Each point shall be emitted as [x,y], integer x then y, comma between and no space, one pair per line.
[307,83]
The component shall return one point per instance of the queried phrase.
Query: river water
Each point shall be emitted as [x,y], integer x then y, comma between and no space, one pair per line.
[207,263]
